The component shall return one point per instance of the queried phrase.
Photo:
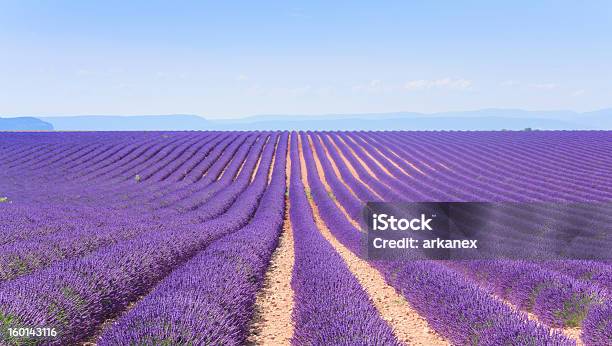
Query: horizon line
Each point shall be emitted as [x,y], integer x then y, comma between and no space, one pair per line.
[221,117]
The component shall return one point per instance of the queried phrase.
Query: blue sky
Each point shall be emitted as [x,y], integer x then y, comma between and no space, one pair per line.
[230,58]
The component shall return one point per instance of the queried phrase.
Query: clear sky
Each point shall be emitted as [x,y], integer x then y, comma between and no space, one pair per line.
[229,58]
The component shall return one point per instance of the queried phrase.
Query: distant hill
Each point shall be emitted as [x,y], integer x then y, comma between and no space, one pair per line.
[485,119]
[176,122]
[422,123]
[602,118]
[24,124]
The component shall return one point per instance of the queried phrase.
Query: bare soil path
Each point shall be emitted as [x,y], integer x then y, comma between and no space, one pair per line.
[408,326]
[272,322]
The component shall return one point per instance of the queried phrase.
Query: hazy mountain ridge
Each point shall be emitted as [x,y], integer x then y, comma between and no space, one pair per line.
[24,124]
[484,119]
[129,123]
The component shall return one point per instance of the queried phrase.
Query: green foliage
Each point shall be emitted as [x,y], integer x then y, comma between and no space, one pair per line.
[4,199]
[7,320]
[73,295]
[59,313]
[587,276]
[574,310]
[534,294]
[19,266]
[308,193]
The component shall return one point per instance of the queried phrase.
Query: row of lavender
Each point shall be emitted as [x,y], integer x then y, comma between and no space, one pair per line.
[86,234]
[454,306]
[209,299]
[175,325]
[77,308]
[187,182]
[75,291]
[331,307]
[557,299]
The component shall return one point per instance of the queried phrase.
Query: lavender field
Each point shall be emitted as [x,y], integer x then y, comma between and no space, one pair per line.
[182,238]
